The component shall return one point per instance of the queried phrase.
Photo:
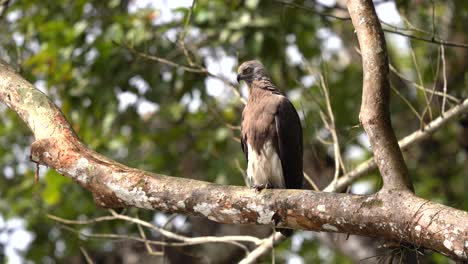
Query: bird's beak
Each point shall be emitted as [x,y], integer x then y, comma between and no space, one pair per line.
[239,78]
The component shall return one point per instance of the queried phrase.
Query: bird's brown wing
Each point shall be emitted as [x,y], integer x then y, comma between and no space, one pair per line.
[243,139]
[289,133]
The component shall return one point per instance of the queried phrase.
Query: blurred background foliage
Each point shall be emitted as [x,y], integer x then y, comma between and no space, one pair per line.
[178,119]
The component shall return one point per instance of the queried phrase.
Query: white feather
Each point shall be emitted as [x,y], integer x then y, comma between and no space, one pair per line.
[265,167]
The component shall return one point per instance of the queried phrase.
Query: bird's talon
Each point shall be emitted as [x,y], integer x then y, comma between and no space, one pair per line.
[258,188]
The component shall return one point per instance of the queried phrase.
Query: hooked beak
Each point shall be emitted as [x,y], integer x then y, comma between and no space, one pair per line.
[239,78]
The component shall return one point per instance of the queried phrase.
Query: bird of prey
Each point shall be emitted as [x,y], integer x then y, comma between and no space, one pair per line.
[271,133]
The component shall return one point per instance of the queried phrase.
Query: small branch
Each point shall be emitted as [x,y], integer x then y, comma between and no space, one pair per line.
[193,68]
[433,40]
[311,182]
[323,14]
[195,240]
[421,82]
[162,231]
[331,127]
[138,239]
[444,74]
[421,120]
[81,222]
[86,255]
[184,33]
[164,61]
[149,249]
[417,86]
[268,244]
[434,84]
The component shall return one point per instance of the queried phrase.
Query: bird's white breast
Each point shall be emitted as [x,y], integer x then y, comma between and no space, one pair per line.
[265,167]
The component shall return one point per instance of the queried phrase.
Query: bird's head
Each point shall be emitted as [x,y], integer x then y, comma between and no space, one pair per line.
[250,71]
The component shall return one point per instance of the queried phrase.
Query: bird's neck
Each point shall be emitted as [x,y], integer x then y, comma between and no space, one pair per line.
[264,84]
[261,88]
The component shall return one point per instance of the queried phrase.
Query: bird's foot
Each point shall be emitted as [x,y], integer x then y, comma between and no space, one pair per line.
[259,187]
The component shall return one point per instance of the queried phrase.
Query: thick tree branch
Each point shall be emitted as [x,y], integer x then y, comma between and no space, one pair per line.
[375,114]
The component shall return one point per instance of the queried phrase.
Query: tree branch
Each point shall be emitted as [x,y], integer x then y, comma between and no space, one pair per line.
[166,233]
[270,242]
[375,114]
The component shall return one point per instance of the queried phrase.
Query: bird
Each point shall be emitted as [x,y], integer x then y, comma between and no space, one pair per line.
[271,134]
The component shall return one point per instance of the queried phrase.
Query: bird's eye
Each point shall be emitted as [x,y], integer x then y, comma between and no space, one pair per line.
[247,71]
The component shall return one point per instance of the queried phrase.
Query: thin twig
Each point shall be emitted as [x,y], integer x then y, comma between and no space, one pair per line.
[149,249]
[195,69]
[81,222]
[409,26]
[244,175]
[444,74]
[337,162]
[165,226]
[168,234]
[225,239]
[310,181]
[323,141]
[138,239]
[330,125]
[421,83]
[331,128]
[86,255]
[408,103]
[417,86]
[428,40]
[267,245]
[164,61]
[292,4]
[433,19]
[184,33]
[436,76]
